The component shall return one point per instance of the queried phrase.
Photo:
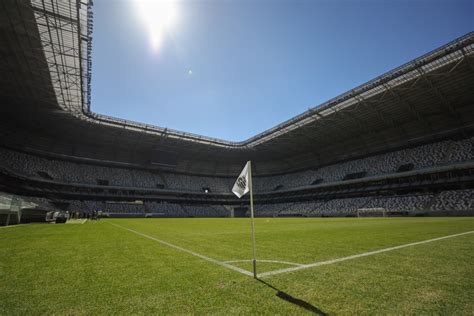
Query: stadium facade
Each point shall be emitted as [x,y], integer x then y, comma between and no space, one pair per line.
[402,142]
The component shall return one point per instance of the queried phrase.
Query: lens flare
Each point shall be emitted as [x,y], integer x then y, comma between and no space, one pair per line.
[158,17]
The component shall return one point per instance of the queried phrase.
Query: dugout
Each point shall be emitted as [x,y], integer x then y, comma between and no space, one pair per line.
[11,209]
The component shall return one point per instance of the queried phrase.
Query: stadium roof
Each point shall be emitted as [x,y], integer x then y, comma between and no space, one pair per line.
[45,90]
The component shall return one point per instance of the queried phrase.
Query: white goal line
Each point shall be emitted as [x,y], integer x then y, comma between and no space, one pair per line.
[365,254]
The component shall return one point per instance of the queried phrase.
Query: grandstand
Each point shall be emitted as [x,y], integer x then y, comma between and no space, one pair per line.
[402,141]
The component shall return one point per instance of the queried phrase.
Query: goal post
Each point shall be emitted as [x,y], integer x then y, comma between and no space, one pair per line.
[381,212]
[371,212]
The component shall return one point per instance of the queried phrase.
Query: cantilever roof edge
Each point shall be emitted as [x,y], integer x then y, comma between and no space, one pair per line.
[79,12]
[451,52]
[430,61]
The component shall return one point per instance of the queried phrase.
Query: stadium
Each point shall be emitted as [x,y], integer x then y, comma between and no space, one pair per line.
[159,230]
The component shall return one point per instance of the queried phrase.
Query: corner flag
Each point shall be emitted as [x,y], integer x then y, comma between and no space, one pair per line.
[242,185]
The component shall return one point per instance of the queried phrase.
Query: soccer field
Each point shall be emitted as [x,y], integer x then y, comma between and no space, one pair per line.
[202,266]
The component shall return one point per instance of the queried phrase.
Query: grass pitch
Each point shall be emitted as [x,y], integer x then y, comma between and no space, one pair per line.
[123,266]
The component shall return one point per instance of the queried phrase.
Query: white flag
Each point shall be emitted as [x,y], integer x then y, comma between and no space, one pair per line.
[241,186]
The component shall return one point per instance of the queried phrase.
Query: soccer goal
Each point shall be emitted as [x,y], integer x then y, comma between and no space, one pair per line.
[381,212]
[371,212]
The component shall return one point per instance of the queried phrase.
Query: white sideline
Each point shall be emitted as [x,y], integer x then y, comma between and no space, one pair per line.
[223,264]
[316,264]
[10,226]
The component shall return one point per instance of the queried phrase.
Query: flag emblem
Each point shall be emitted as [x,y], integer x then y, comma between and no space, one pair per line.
[242,183]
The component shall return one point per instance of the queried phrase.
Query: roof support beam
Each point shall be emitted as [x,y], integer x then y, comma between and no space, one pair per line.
[467,58]
[411,108]
[54,15]
[447,105]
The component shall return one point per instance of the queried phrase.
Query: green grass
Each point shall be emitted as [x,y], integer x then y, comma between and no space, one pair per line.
[98,268]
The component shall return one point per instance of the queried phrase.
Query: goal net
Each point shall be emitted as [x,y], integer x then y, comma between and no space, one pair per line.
[371,212]
[381,212]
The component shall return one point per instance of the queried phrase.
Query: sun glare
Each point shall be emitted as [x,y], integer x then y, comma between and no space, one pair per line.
[158,17]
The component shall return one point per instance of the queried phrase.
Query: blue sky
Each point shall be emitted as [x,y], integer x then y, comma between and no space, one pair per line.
[231,69]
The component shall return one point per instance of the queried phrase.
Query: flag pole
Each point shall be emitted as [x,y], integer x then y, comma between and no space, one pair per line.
[254,261]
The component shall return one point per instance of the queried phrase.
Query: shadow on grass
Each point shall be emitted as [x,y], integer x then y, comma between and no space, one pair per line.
[287,297]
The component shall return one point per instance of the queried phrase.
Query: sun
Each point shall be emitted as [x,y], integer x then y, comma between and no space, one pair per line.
[159,17]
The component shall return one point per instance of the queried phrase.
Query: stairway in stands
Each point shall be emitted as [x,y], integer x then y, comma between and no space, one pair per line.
[429,204]
[163,179]
[451,147]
